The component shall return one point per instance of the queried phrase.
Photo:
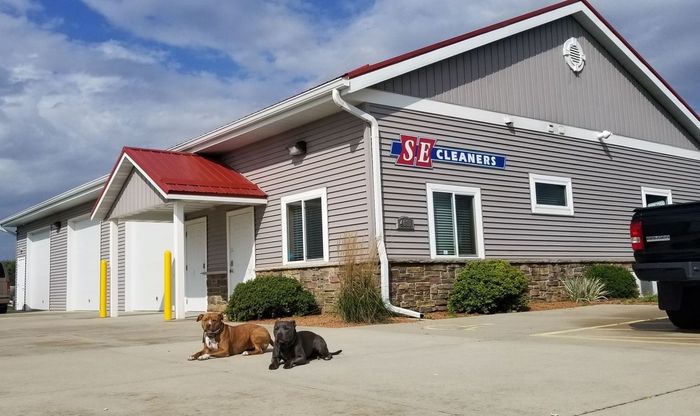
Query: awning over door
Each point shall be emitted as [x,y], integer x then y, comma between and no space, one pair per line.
[154,179]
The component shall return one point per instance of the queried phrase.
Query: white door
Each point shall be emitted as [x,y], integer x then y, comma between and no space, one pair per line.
[196,265]
[20,283]
[83,292]
[241,247]
[146,243]
[38,269]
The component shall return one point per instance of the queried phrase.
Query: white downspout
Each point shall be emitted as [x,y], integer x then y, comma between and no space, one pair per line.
[378,209]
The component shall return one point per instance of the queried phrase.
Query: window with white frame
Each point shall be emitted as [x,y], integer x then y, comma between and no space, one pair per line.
[652,197]
[305,227]
[551,195]
[454,221]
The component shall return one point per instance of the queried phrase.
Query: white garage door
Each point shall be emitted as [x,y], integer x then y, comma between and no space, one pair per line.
[38,269]
[145,244]
[83,266]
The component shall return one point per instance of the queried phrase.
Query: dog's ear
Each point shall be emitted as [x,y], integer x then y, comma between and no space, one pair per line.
[294,324]
[199,318]
[221,316]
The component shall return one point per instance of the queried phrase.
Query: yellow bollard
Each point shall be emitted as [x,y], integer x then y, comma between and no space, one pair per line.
[103,288]
[167,286]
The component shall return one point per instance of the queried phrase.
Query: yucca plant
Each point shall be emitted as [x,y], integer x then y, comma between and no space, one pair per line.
[584,289]
[359,297]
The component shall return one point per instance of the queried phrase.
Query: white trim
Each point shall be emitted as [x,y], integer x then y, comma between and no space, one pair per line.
[221,199]
[551,209]
[106,187]
[179,258]
[242,211]
[469,113]
[313,194]
[478,221]
[66,200]
[658,192]
[400,68]
[258,119]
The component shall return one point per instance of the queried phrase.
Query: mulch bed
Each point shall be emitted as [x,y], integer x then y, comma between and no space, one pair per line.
[332,320]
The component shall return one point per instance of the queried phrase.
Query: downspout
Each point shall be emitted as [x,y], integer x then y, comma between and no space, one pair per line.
[378,208]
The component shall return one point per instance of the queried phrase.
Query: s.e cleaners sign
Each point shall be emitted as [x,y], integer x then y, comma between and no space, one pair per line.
[422,151]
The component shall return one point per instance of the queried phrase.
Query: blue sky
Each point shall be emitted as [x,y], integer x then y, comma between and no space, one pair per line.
[81,79]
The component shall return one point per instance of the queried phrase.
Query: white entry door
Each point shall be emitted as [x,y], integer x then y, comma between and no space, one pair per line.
[145,244]
[38,269]
[196,265]
[83,266]
[241,247]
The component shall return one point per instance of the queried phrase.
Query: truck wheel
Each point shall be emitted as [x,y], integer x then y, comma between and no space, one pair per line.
[3,308]
[688,316]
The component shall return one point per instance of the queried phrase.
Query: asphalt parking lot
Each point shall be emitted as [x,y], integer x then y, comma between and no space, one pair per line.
[595,360]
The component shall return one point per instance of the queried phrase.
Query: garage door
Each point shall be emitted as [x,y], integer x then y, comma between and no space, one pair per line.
[38,269]
[83,266]
[145,244]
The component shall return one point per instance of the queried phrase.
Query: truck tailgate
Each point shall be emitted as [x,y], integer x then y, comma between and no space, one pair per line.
[670,234]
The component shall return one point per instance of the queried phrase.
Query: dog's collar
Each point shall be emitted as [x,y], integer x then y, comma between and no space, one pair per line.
[213,334]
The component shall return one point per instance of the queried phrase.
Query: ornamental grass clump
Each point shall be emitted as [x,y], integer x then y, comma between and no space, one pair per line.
[618,281]
[488,286]
[273,296]
[584,289]
[359,297]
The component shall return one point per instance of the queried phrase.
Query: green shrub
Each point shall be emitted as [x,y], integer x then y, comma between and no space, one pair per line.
[488,286]
[359,298]
[618,281]
[584,289]
[271,296]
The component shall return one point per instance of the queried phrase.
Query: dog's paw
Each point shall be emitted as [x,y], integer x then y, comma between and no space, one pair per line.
[203,357]
[274,366]
[191,358]
[245,353]
[287,365]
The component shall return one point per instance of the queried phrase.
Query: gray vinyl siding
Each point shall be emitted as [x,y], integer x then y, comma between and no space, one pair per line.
[136,196]
[526,75]
[58,243]
[335,159]
[59,267]
[121,260]
[606,183]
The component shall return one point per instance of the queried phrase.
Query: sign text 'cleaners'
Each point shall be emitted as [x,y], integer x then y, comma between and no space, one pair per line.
[422,151]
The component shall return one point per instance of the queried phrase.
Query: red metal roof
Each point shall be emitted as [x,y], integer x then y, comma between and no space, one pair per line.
[365,69]
[189,173]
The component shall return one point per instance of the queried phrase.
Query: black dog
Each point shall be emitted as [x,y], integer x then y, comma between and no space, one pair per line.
[297,348]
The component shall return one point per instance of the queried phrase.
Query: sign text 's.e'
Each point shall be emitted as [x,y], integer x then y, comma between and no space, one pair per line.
[422,151]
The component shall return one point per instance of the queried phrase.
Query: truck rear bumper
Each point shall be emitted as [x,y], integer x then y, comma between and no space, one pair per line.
[683,271]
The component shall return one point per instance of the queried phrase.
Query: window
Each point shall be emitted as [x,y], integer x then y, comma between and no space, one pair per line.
[551,195]
[305,227]
[652,197]
[454,221]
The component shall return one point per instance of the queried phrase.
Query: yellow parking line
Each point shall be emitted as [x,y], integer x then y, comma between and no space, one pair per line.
[566,331]
[627,339]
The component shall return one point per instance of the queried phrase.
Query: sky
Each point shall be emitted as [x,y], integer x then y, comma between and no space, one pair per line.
[81,79]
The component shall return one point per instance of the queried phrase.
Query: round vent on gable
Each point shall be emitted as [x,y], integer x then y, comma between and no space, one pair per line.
[573,55]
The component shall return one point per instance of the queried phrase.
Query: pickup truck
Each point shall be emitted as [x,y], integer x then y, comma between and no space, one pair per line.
[4,290]
[666,244]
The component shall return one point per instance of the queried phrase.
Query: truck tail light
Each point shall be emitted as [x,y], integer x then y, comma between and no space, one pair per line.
[636,235]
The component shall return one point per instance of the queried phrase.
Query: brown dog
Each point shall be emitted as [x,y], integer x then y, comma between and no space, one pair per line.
[222,340]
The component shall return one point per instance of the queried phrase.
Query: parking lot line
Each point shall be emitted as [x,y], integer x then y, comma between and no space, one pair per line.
[606,333]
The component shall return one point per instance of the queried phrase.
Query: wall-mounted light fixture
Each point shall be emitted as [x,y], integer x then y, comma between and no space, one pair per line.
[603,135]
[298,149]
[57,226]
[508,121]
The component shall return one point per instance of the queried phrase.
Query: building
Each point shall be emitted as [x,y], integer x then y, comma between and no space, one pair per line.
[530,140]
